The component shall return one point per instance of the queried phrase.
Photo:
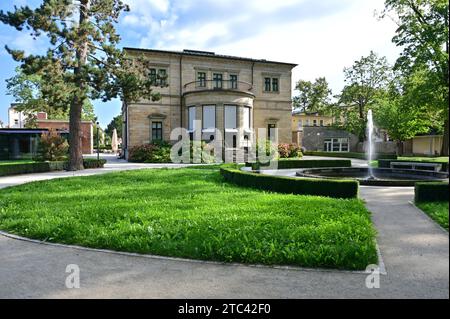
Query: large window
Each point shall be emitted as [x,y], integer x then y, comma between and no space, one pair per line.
[267,84]
[233,81]
[153,76]
[209,117]
[275,86]
[336,145]
[162,75]
[246,118]
[156,131]
[230,117]
[201,78]
[158,77]
[191,118]
[271,84]
[218,78]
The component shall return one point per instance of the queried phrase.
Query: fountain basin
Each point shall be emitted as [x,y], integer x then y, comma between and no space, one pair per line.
[381,176]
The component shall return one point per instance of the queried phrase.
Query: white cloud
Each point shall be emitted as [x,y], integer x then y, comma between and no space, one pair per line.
[148,5]
[322,45]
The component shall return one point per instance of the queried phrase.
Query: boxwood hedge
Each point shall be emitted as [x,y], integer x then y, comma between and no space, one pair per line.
[349,155]
[41,167]
[298,163]
[431,192]
[281,184]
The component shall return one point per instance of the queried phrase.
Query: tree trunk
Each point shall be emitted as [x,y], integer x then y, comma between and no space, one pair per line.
[444,150]
[399,148]
[75,132]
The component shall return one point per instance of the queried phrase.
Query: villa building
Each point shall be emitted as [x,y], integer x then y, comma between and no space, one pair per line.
[230,94]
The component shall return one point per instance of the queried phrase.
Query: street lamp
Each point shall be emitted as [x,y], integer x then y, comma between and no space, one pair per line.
[98,144]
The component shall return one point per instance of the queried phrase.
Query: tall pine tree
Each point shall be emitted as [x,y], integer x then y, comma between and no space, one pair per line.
[83,57]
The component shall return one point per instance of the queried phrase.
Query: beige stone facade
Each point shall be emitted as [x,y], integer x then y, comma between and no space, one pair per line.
[230,93]
[304,119]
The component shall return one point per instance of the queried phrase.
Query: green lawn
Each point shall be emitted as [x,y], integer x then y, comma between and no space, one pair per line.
[438,211]
[192,213]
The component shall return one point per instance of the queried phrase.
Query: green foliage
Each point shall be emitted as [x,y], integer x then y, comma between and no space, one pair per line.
[362,156]
[52,147]
[30,168]
[93,163]
[365,80]
[29,91]
[438,211]
[42,167]
[431,192]
[116,123]
[313,97]
[289,185]
[192,213]
[294,163]
[423,33]
[156,152]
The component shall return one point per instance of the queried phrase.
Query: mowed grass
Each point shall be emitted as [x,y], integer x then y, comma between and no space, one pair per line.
[192,213]
[438,211]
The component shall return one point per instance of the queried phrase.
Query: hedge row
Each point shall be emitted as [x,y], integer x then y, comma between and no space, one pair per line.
[42,167]
[386,163]
[349,155]
[289,185]
[29,168]
[289,163]
[431,192]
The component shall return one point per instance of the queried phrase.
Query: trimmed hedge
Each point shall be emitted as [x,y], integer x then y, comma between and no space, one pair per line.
[349,155]
[29,168]
[295,163]
[42,167]
[386,163]
[289,185]
[431,192]
[93,163]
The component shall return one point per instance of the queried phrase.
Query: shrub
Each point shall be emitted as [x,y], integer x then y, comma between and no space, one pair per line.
[156,152]
[293,163]
[281,184]
[29,168]
[286,150]
[93,163]
[52,147]
[431,191]
[349,155]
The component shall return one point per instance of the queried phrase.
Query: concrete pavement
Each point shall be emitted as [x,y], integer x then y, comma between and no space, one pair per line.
[415,252]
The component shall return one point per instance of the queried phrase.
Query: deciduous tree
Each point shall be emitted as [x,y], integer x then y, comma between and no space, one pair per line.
[423,33]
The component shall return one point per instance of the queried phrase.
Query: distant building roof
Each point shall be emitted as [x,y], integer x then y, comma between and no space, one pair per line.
[207,54]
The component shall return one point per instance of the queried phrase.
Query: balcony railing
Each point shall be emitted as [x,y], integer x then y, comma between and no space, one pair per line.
[228,85]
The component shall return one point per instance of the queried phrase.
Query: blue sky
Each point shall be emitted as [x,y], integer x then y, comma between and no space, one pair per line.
[322,36]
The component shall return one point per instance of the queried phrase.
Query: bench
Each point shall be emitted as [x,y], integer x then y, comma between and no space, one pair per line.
[436,167]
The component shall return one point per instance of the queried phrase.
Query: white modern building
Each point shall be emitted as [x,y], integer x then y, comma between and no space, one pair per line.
[16,119]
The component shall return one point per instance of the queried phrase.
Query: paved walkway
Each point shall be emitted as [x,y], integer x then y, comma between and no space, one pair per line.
[415,252]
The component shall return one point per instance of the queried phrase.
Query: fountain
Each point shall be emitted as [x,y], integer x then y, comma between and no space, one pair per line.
[370,144]
[374,176]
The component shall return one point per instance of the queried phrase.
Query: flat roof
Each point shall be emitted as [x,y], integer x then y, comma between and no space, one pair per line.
[207,54]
